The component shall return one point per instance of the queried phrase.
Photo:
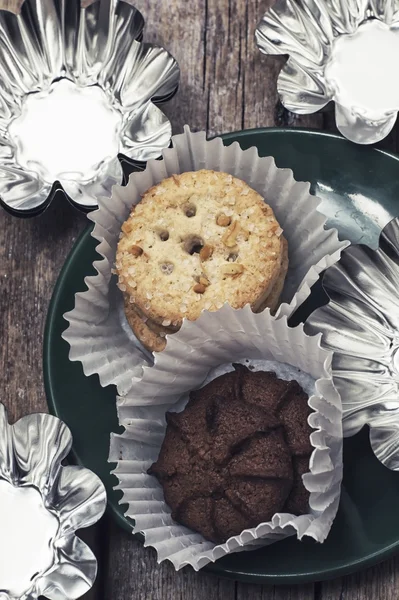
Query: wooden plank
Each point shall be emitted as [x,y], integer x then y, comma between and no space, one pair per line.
[179,27]
[380,583]
[94,538]
[11,5]
[241,82]
[257,592]
[133,574]
[32,252]
[15,5]
[226,83]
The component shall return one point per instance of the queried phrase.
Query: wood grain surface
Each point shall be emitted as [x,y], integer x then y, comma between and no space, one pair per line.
[11,5]
[226,85]
[15,5]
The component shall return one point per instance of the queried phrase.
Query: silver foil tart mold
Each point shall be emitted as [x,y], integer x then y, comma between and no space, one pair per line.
[78,94]
[42,505]
[360,324]
[345,52]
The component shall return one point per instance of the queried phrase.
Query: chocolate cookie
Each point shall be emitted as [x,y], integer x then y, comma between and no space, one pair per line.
[236,454]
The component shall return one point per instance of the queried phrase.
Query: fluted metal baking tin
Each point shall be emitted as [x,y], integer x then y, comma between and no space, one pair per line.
[341,51]
[76,52]
[42,504]
[360,324]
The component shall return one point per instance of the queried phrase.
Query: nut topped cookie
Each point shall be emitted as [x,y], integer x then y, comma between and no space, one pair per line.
[194,242]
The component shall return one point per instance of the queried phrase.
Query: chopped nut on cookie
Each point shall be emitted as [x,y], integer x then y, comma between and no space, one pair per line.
[136,250]
[233,270]
[199,288]
[229,238]
[204,280]
[206,252]
[223,220]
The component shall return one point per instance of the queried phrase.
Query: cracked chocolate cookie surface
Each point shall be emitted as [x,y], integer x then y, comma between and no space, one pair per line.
[236,454]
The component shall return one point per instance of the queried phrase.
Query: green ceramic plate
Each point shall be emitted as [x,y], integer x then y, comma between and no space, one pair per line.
[360,191]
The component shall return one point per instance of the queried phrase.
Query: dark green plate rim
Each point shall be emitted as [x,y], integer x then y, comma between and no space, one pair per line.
[113,506]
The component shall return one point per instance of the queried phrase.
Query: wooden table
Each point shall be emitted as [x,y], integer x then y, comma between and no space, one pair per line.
[226,85]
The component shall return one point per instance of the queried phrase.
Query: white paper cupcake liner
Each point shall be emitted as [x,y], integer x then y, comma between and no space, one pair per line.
[215,339]
[98,333]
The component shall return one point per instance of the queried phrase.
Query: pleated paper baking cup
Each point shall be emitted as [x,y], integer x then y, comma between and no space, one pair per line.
[98,333]
[199,352]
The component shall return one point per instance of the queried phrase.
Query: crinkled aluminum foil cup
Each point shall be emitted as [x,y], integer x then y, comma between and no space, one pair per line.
[215,339]
[98,333]
[360,324]
[78,88]
[344,52]
[42,505]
